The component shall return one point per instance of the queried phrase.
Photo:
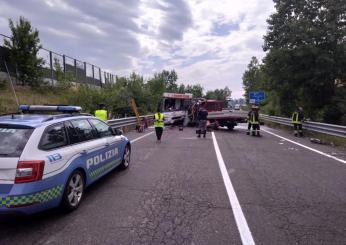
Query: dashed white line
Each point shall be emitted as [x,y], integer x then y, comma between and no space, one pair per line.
[134,140]
[243,228]
[306,147]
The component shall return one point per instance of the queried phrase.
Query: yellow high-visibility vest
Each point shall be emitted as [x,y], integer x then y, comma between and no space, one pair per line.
[101,114]
[295,118]
[159,120]
[253,119]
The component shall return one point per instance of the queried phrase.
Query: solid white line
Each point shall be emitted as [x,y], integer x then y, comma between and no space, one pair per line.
[243,228]
[306,147]
[134,140]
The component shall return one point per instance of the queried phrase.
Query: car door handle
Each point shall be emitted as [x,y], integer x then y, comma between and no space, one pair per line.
[106,145]
[84,152]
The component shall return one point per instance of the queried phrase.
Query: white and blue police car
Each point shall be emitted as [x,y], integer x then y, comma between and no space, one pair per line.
[50,154]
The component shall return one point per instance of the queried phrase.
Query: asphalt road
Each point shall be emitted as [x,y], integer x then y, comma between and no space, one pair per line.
[174,193]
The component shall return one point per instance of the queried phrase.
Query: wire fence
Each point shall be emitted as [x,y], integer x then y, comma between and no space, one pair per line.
[78,71]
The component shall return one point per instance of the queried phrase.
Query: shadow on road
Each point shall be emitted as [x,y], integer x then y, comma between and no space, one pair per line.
[34,221]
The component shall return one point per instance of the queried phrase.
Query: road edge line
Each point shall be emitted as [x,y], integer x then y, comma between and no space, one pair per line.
[243,228]
[141,137]
[306,147]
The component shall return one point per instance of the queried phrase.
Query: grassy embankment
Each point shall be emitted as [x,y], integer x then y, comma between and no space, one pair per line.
[27,95]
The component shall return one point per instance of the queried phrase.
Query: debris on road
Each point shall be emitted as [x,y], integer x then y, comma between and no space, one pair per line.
[321,142]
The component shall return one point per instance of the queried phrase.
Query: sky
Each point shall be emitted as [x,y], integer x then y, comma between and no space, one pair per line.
[207,42]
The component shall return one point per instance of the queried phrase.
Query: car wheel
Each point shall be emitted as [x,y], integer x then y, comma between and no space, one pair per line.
[74,191]
[126,158]
[230,127]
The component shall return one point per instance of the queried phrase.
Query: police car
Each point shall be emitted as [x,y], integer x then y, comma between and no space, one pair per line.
[48,159]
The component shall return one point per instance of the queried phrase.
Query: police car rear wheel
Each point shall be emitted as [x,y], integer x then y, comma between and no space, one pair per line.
[73,191]
[126,159]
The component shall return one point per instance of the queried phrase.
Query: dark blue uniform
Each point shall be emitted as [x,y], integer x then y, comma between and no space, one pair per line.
[202,122]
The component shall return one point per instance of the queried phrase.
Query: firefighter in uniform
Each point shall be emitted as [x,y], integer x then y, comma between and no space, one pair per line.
[202,122]
[297,121]
[253,121]
[101,113]
[159,125]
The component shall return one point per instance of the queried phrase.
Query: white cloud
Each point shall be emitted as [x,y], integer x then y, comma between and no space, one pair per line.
[91,29]
[61,33]
[223,56]
[205,41]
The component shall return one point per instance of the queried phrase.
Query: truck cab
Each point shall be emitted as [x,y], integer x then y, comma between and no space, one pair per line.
[174,107]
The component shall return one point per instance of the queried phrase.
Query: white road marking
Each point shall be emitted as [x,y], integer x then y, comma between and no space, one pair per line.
[306,147]
[243,228]
[134,140]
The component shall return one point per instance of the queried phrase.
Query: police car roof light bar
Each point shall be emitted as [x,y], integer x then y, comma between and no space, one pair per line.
[49,108]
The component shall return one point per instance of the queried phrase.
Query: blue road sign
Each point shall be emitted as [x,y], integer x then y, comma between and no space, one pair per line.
[256,97]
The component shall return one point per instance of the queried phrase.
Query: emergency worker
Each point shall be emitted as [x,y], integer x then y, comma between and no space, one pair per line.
[159,124]
[202,118]
[101,112]
[253,121]
[297,121]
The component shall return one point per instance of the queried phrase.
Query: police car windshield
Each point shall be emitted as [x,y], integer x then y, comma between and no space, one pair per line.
[13,141]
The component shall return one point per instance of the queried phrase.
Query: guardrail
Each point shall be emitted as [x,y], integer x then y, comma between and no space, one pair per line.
[127,121]
[324,128]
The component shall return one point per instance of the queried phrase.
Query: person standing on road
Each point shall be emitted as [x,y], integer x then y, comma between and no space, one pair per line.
[297,121]
[202,122]
[248,122]
[253,121]
[159,124]
[101,112]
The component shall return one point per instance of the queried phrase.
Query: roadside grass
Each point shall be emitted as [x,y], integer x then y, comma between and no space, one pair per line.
[28,95]
[327,139]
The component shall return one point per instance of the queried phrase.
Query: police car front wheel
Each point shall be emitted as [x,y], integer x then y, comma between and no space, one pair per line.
[74,190]
[126,158]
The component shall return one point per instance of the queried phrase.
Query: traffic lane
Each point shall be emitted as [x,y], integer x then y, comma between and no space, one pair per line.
[289,194]
[164,208]
[187,202]
[133,135]
[172,193]
[337,151]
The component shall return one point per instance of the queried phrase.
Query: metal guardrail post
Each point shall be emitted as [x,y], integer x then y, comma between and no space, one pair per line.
[75,70]
[100,77]
[85,72]
[64,64]
[51,67]
[92,67]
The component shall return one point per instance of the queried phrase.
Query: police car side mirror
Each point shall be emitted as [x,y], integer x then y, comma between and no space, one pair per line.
[117,131]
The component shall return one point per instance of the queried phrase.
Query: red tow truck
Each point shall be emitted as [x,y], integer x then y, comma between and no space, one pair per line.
[218,116]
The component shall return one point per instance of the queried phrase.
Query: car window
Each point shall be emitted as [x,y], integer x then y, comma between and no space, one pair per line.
[84,129]
[102,128]
[53,137]
[72,133]
[13,141]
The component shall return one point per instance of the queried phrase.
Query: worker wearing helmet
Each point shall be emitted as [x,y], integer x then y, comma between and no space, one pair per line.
[101,112]
[253,121]
[297,121]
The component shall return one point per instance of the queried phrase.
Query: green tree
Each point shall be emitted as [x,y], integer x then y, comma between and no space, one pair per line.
[181,89]
[219,94]
[252,78]
[196,90]
[24,45]
[306,54]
